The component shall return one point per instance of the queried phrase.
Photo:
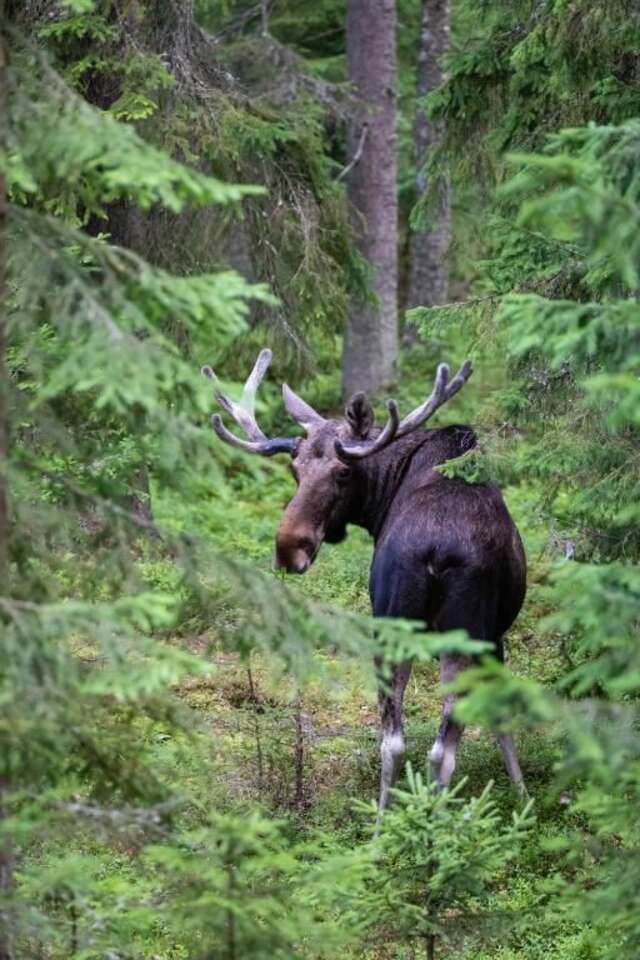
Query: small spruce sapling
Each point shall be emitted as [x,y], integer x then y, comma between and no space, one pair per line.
[438,860]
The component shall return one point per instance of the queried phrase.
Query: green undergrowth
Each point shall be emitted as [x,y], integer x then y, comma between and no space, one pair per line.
[253,712]
[240,755]
[301,751]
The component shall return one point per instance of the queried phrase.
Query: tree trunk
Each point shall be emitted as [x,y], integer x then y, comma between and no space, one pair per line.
[431,946]
[428,284]
[4,373]
[255,707]
[6,852]
[371,333]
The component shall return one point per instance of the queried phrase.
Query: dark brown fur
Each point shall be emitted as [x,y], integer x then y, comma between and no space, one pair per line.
[446,552]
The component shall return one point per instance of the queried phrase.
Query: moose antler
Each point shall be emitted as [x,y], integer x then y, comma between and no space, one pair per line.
[443,390]
[243,413]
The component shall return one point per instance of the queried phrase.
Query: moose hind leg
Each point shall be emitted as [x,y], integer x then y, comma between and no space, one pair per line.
[395,592]
[392,744]
[443,752]
[510,757]
[469,604]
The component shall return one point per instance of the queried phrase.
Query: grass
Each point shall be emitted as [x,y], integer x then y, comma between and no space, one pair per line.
[340,727]
[250,719]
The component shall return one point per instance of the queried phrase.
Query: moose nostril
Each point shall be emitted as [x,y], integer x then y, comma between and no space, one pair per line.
[306,545]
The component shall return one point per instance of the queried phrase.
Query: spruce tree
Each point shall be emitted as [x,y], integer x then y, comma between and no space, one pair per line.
[371,332]
[429,267]
[551,148]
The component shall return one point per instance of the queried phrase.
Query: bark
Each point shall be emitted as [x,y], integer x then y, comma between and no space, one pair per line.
[256,729]
[431,946]
[428,284]
[4,372]
[371,333]
[6,851]
[169,27]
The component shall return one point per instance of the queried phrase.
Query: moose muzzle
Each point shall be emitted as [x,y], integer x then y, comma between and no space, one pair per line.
[295,550]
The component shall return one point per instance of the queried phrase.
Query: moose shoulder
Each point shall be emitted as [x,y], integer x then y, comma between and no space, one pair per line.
[446,552]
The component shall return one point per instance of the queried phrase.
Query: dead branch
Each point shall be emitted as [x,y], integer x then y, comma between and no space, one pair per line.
[356,157]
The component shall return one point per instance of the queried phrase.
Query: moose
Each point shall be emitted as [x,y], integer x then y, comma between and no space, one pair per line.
[446,552]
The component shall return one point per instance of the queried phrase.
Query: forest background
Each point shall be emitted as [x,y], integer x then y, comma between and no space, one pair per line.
[187,743]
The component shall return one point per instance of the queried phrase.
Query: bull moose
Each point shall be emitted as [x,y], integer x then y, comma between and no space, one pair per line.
[446,552]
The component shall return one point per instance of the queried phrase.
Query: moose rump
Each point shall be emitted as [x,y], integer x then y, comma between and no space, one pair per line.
[449,552]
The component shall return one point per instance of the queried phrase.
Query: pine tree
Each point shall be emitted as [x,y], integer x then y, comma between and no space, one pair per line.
[438,858]
[95,383]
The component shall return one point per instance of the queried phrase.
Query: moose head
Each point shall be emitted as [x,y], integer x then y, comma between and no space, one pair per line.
[327,461]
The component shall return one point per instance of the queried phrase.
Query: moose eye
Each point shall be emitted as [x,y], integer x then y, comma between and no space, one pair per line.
[341,475]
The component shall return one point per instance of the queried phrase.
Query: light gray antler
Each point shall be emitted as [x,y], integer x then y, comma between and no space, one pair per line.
[299,410]
[243,413]
[443,390]
[441,393]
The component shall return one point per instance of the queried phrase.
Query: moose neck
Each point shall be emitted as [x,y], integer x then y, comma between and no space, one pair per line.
[378,480]
[382,478]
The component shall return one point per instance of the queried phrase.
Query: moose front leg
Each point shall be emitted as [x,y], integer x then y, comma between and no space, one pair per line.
[392,744]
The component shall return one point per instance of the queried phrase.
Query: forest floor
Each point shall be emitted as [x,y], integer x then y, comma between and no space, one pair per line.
[303,751]
[261,723]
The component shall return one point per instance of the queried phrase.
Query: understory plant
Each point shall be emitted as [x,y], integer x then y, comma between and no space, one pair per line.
[438,860]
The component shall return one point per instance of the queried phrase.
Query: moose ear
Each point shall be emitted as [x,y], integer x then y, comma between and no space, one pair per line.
[359,414]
